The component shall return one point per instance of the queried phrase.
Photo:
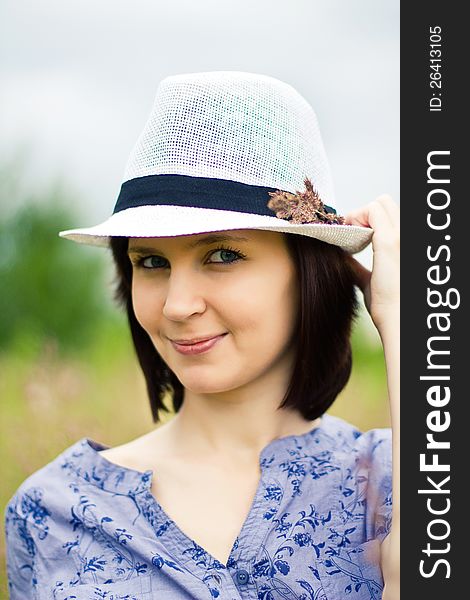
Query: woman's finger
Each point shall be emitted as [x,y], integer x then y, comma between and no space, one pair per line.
[382,217]
[358,217]
[382,212]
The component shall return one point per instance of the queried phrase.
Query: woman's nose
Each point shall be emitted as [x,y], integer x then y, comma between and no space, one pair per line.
[184,296]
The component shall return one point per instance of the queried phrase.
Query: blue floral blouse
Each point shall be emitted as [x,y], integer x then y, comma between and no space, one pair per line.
[84,528]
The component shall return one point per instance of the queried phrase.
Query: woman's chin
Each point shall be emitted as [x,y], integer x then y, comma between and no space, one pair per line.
[208,385]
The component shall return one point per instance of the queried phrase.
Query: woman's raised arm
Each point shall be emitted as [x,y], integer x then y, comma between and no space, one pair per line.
[381,289]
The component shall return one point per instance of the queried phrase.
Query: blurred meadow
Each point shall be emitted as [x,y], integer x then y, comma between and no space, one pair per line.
[67,365]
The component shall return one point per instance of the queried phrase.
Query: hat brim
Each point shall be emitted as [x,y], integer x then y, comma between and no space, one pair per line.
[170,221]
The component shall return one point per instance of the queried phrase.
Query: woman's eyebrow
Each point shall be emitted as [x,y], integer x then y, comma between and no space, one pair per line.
[207,239]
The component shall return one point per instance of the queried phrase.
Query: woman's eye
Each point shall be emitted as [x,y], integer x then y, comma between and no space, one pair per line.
[227,256]
[152,262]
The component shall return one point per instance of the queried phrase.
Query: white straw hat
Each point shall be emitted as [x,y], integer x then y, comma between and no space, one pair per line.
[217,148]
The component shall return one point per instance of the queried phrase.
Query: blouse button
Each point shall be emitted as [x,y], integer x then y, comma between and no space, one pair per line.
[242,576]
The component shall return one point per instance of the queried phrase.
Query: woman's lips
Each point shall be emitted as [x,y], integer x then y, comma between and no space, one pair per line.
[199,347]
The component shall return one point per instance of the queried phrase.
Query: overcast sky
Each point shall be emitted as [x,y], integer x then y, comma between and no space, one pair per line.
[78,79]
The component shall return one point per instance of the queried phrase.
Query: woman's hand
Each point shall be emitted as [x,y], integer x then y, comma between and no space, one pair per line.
[381,287]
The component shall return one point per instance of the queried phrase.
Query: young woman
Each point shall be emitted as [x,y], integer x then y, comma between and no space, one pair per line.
[241,320]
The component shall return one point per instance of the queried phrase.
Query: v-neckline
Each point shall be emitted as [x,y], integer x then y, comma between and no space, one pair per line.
[182,543]
[253,530]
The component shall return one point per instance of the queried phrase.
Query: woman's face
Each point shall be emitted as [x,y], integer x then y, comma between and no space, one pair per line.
[240,285]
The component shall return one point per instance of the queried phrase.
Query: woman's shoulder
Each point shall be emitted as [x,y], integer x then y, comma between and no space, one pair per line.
[79,468]
[349,446]
[52,477]
[345,435]
[76,490]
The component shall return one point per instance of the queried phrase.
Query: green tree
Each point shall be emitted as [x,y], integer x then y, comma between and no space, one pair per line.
[50,288]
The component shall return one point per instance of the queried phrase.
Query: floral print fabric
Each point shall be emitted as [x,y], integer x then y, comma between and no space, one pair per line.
[84,528]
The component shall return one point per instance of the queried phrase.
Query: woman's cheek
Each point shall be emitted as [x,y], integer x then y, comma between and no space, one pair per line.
[145,308]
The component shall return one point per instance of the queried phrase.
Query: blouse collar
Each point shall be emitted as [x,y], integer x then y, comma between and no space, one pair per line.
[85,460]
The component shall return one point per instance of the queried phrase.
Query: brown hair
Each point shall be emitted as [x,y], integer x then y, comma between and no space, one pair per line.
[327,308]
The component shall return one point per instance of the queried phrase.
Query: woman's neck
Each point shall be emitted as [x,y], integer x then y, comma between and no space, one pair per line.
[239,422]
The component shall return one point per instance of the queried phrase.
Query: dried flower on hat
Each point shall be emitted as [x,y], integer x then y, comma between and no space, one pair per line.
[302,207]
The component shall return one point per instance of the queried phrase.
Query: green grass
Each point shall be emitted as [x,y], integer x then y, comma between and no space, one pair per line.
[48,402]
